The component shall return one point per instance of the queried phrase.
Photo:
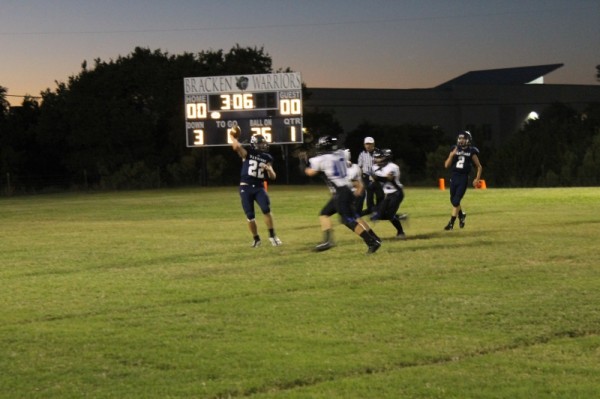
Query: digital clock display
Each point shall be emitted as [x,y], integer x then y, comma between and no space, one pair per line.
[267,104]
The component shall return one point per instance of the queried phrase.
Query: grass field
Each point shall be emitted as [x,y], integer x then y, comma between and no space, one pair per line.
[157,294]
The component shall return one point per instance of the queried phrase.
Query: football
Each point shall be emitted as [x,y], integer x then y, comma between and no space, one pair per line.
[235,132]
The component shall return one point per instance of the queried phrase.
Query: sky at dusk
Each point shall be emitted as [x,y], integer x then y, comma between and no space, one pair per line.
[396,44]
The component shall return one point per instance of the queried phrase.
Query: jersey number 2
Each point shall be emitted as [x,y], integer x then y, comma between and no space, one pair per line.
[460,164]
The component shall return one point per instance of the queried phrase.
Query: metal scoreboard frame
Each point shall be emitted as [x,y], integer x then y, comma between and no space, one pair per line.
[267,104]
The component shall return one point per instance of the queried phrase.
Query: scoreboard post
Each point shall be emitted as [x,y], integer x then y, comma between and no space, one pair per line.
[267,104]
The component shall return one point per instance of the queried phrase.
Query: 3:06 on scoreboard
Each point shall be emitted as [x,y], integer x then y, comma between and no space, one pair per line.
[267,104]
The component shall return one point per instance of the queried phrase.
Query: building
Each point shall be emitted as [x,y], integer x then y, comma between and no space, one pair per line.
[491,103]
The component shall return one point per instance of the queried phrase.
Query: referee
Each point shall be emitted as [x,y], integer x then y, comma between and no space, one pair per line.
[365,162]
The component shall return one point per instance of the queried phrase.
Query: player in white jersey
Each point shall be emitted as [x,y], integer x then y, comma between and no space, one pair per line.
[358,189]
[387,173]
[332,163]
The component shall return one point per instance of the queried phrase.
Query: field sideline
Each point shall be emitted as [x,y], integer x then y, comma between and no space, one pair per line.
[157,294]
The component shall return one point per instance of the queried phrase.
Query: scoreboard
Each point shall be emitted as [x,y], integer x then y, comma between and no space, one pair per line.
[267,104]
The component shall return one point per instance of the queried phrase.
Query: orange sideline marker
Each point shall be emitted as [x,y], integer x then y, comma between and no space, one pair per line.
[442,183]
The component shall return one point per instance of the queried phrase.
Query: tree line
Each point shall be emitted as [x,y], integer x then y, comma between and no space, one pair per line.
[120,125]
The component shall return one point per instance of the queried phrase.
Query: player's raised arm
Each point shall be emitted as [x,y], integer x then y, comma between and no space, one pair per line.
[234,134]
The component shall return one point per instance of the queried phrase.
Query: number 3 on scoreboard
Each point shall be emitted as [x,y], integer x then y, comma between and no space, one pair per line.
[198,136]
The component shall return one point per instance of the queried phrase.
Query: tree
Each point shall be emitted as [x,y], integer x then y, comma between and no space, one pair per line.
[18,150]
[4,105]
[556,150]
[589,171]
[410,145]
[4,150]
[121,121]
[435,163]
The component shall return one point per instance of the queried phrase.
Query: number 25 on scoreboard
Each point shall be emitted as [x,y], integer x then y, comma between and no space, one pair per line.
[264,131]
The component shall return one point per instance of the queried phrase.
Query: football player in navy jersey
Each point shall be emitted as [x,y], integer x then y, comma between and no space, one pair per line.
[461,159]
[331,162]
[257,165]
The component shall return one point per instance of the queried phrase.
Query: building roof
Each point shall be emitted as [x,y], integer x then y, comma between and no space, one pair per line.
[503,76]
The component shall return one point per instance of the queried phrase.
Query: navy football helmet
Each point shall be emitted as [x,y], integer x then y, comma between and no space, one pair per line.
[383,156]
[327,144]
[464,139]
[258,142]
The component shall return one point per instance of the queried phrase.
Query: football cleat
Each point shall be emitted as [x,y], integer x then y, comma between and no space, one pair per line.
[255,243]
[373,247]
[324,246]
[449,226]
[275,241]
[401,236]
[461,220]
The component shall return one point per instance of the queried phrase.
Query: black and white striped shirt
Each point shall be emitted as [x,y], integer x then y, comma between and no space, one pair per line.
[365,161]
